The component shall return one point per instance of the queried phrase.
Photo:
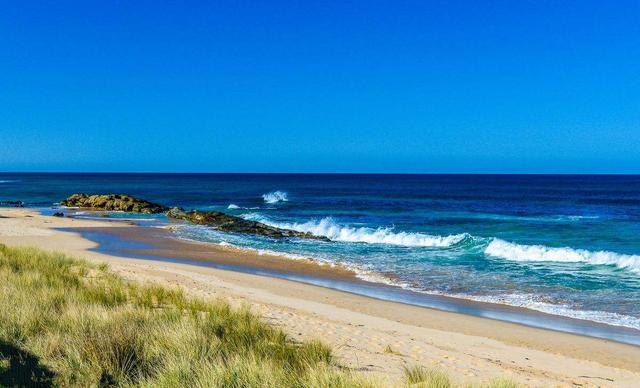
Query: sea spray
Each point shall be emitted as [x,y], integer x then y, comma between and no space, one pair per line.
[275,197]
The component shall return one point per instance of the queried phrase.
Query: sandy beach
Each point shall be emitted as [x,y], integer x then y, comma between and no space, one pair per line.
[372,336]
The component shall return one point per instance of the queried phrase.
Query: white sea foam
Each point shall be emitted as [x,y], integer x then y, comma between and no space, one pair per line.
[577,218]
[516,252]
[537,303]
[233,206]
[7,181]
[327,227]
[275,196]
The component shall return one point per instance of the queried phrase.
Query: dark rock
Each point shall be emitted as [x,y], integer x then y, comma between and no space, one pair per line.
[113,202]
[12,203]
[219,221]
[227,223]
[58,214]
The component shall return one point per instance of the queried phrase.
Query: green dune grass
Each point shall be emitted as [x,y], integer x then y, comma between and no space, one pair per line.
[68,322]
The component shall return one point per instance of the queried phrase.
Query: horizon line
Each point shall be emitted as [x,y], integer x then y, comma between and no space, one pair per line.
[321,173]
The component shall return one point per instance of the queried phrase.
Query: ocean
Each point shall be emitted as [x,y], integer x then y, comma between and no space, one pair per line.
[567,245]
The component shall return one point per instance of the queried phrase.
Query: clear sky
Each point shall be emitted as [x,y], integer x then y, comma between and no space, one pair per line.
[353,86]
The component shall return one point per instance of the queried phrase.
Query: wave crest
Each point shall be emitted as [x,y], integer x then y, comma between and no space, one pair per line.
[275,196]
[327,227]
[233,206]
[516,252]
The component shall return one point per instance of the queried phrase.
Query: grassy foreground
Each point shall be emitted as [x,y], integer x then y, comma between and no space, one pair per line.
[68,322]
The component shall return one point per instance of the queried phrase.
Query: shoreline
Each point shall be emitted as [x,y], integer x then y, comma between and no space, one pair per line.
[160,244]
[471,348]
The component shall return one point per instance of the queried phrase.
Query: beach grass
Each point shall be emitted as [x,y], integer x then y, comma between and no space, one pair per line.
[69,322]
[423,377]
[418,376]
[72,323]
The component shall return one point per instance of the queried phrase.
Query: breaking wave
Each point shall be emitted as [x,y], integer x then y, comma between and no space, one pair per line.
[233,206]
[327,227]
[516,252]
[275,196]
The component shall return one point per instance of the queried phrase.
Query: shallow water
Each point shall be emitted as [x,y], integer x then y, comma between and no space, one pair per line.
[566,245]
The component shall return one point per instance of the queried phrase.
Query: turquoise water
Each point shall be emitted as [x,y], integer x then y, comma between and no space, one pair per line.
[566,245]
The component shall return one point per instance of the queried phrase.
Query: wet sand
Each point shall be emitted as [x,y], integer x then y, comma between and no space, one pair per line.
[471,349]
[160,243]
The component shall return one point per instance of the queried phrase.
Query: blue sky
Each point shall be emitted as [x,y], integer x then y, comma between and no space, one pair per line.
[425,86]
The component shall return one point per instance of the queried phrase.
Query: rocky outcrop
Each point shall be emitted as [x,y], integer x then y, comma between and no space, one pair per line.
[113,202]
[217,220]
[227,223]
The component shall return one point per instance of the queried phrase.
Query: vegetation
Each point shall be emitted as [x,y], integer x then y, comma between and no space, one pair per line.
[68,322]
[417,376]
[423,377]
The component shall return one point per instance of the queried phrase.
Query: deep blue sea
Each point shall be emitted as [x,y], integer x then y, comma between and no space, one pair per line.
[565,245]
